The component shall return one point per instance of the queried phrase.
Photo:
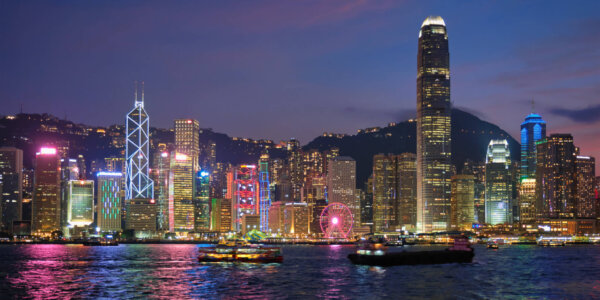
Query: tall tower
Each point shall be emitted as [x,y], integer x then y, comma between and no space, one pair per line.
[11,180]
[498,183]
[45,216]
[137,182]
[264,187]
[187,139]
[433,127]
[533,129]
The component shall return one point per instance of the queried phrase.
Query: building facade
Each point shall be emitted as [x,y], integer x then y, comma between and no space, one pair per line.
[585,170]
[463,202]
[341,185]
[11,181]
[45,216]
[80,211]
[533,129]
[433,127]
[110,201]
[498,183]
[182,189]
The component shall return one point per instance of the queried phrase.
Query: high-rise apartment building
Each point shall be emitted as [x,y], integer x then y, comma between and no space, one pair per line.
[45,217]
[498,183]
[110,200]
[462,202]
[137,182]
[533,129]
[433,127]
[11,180]
[555,177]
[341,185]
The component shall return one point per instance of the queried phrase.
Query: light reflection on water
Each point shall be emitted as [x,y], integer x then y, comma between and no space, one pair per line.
[124,271]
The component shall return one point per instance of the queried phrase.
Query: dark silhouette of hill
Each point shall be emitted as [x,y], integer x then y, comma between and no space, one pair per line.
[470,138]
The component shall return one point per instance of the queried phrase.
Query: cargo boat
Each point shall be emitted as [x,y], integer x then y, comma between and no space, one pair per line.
[376,255]
[240,251]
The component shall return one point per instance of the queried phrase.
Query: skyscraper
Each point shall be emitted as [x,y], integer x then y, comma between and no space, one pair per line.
[433,127]
[80,210]
[137,182]
[555,177]
[533,129]
[202,202]
[463,202]
[341,185]
[245,194]
[264,187]
[385,191]
[160,177]
[527,201]
[407,191]
[182,189]
[498,183]
[585,180]
[187,139]
[11,179]
[295,168]
[110,196]
[45,217]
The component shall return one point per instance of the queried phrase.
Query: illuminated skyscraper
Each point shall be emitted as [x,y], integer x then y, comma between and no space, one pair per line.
[498,183]
[11,180]
[245,194]
[45,216]
[137,182]
[295,168]
[586,179]
[160,177]
[463,202]
[555,177]
[182,189]
[202,202]
[385,191]
[533,129]
[433,127]
[527,201]
[407,190]
[80,210]
[187,139]
[341,185]
[264,187]
[110,196]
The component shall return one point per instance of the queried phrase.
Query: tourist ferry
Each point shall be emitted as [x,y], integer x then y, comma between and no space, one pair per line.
[377,255]
[551,243]
[100,242]
[240,251]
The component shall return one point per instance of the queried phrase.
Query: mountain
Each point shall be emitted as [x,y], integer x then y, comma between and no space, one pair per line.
[470,138]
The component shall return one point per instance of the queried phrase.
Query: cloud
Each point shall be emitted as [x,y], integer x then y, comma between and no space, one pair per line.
[589,114]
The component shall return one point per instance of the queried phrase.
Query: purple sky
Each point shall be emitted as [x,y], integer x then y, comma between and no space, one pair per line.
[281,69]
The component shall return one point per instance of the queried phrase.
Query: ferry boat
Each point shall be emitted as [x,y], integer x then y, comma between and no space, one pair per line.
[240,251]
[551,243]
[492,245]
[377,255]
[100,242]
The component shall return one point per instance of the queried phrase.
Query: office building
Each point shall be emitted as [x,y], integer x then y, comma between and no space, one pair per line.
[80,211]
[11,181]
[585,170]
[202,202]
[110,200]
[160,174]
[556,188]
[433,127]
[245,194]
[187,139]
[264,186]
[498,183]
[407,190]
[45,217]
[137,181]
[182,189]
[527,201]
[141,216]
[341,185]
[533,129]
[462,202]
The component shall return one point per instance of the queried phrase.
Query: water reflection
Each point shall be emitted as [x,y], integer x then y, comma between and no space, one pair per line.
[172,271]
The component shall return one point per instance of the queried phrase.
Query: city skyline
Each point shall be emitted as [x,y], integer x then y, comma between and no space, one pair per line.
[358,68]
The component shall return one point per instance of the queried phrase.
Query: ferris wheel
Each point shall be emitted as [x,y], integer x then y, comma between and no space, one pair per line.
[336,221]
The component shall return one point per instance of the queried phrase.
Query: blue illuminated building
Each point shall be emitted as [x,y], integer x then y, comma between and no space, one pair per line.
[264,192]
[533,129]
[202,202]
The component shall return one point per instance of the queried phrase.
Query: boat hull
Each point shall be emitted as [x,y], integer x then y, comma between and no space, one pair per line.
[413,258]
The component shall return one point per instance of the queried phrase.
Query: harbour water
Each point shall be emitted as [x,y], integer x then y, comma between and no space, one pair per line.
[172,271]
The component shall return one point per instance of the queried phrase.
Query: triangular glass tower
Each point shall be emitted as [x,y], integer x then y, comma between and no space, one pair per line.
[138,184]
